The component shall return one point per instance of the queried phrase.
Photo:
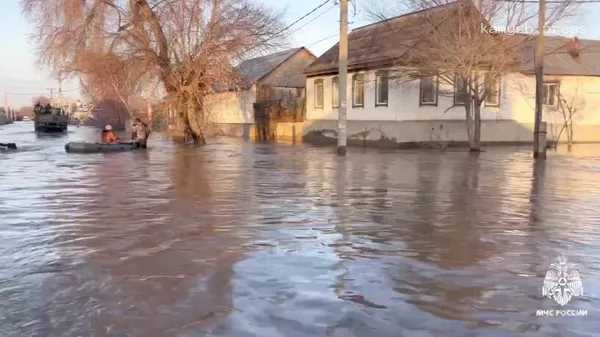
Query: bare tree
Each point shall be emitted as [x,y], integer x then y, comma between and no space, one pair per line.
[567,112]
[191,46]
[469,46]
[42,100]
[105,76]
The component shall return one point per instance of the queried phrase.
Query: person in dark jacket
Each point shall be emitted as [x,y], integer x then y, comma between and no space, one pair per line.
[140,133]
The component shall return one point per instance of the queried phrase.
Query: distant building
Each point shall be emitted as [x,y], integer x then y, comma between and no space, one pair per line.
[397,112]
[4,117]
[272,91]
[7,116]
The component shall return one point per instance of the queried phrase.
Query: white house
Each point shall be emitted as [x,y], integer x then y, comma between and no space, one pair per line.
[265,81]
[397,113]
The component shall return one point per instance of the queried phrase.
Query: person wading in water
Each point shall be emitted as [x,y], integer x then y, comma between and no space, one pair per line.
[140,133]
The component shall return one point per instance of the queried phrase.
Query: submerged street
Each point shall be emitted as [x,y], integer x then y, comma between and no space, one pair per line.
[240,239]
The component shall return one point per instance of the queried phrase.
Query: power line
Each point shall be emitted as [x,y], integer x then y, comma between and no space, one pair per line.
[323,39]
[25,93]
[302,17]
[68,90]
[313,19]
[41,92]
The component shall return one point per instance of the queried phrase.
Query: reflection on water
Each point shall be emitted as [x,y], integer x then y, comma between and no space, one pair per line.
[237,239]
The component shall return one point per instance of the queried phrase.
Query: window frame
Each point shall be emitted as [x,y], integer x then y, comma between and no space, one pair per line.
[498,95]
[316,98]
[354,105]
[435,86]
[456,94]
[556,96]
[379,74]
[335,89]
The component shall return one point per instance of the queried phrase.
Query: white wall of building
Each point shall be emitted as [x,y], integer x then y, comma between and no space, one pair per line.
[582,92]
[403,104]
[405,120]
[232,107]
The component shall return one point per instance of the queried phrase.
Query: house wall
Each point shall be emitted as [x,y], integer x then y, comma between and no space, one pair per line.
[403,120]
[581,92]
[232,112]
[290,73]
[403,103]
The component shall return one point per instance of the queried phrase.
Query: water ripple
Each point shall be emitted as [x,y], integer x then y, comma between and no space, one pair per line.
[237,239]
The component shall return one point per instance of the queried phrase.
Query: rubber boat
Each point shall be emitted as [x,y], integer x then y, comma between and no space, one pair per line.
[81,147]
[8,146]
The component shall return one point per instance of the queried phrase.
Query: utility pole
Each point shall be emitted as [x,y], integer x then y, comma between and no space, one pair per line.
[343,78]
[60,100]
[539,144]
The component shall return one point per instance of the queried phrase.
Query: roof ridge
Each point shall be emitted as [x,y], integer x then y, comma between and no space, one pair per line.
[419,11]
[255,69]
[273,54]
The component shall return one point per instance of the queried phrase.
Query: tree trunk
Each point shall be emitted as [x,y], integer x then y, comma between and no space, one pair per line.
[192,128]
[469,122]
[570,136]
[475,141]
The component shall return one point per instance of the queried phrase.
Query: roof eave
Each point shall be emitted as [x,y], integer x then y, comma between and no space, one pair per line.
[371,65]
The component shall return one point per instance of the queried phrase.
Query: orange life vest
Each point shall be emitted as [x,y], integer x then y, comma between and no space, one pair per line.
[109,137]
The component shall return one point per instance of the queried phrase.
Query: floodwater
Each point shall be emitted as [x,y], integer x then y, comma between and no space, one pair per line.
[238,239]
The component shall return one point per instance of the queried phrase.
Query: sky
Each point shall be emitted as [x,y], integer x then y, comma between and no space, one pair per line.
[21,78]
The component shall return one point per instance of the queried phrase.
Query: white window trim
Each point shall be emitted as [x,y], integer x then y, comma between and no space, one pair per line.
[379,74]
[495,105]
[556,93]
[354,105]
[436,83]
[316,98]
[457,94]
[335,89]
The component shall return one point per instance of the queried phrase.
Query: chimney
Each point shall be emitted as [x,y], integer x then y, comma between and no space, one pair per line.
[574,47]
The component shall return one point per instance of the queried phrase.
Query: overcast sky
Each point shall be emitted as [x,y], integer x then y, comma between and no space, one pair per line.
[21,78]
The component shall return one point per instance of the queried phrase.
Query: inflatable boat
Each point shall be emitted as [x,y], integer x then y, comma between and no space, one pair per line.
[8,146]
[80,147]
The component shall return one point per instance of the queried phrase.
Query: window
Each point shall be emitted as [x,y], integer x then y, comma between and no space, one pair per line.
[335,91]
[319,94]
[358,90]
[460,91]
[551,93]
[492,88]
[381,88]
[428,91]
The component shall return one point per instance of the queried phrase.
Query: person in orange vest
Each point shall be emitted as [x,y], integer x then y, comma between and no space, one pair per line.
[109,136]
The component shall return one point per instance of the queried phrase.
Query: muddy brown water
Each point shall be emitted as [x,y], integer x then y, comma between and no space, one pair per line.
[238,239]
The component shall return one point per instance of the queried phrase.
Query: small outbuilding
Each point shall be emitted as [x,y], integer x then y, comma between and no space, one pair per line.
[269,99]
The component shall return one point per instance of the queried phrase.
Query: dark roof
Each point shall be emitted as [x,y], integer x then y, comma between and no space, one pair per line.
[389,42]
[255,69]
[381,43]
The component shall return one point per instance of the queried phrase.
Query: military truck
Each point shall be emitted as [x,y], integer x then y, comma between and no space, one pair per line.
[48,119]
